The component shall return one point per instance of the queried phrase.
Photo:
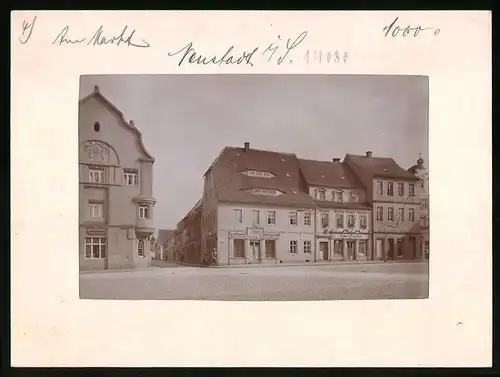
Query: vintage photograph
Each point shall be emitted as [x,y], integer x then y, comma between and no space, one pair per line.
[253,187]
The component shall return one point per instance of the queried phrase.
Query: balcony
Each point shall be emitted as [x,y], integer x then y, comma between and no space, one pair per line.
[144,227]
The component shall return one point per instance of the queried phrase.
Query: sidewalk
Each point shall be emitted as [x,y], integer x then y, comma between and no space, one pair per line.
[326,263]
[257,265]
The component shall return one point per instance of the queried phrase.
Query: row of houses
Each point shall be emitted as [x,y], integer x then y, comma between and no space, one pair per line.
[257,206]
[268,207]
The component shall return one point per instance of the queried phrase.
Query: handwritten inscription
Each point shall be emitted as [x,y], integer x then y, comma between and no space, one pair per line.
[274,47]
[395,30]
[278,51]
[189,54]
[99,38]
[325,57]
[27,30]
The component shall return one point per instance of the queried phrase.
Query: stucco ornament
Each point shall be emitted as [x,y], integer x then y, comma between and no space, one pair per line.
[96,151]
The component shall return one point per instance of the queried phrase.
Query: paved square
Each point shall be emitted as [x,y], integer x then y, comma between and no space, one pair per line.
[295,283]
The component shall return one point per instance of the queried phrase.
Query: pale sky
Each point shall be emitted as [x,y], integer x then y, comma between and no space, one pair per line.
[186,120]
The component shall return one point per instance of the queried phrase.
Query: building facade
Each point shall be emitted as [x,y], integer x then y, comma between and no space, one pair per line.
[160,244]
[394,195]
[265,207]
[116,203]
[420,171]
[342,214]
[190,228]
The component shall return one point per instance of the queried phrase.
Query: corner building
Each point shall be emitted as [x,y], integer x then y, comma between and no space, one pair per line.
[265,207]
[115,189]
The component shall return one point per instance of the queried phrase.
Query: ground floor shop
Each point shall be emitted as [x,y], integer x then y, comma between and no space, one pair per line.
[109,248]
[251,246]
[399,246]
[344,247]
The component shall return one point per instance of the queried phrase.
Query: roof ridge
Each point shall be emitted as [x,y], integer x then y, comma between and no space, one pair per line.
[327,161]
[265,150]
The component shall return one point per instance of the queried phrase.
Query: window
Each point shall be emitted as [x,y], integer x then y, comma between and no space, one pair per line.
[351,222]
[97,127]
[307,218]
[141,245]
[380,188]
[339,220]
[255,217]
[239,248]
[271,218]
[380,213]
[411,215]
[307,247]
[390,214]
[353,197]
[424,204]
[362,221]
[293,218]
[424,221]
[130,177]
[293,247]
[324,219]
[96,210]
[96,175]
[269,253]
[322,195]
[263,191]
[411,190]
[143,212]
[95,247]
[390,188]
[401,214]
[400,247]
[340,196]
[260,174]
[238,213]
[401,189]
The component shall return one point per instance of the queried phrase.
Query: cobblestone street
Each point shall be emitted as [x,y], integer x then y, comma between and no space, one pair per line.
[295,283]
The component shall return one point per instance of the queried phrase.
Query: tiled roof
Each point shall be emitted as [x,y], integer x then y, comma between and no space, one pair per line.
[231,184]
[328,174]
[381,167]
[164,235]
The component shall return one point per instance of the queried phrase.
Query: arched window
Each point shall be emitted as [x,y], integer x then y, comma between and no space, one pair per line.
[97,127]
[140,247]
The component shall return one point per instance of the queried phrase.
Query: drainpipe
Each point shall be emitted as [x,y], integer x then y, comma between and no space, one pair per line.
[315,231]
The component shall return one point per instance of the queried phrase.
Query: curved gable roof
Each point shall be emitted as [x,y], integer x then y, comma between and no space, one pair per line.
[96,93]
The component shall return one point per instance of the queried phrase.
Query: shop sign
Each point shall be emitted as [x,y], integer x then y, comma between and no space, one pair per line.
[255,232]
[96,232]
[348,236]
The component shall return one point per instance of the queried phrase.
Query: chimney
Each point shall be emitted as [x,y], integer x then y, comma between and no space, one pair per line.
[336,159]
[368,153]
[247,146]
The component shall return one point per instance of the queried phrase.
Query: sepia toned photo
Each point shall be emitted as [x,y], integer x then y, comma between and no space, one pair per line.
[275,177]
[253,187]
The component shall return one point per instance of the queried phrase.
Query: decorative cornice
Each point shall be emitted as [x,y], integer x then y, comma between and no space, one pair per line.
[144,199]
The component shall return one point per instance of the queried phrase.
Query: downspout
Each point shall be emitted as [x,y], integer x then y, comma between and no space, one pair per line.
[315,235]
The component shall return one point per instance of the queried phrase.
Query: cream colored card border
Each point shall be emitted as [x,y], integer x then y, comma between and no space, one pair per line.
[52,327]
